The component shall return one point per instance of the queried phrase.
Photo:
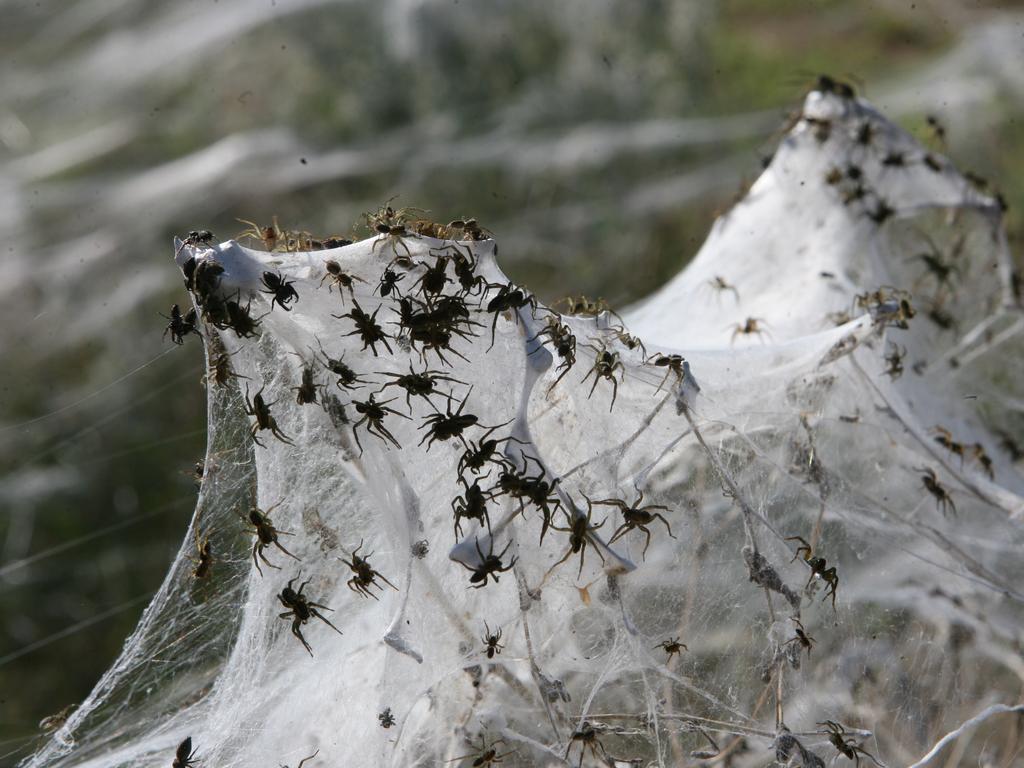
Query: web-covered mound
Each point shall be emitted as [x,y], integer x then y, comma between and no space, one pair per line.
[768,455]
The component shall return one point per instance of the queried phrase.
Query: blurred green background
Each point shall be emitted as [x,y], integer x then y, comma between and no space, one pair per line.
[597,139]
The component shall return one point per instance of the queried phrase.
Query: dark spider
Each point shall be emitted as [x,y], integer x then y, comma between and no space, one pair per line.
[818,568]
[367,328]
[386,718]
[578,529]
[465,271]
[605,365]
[306,391]
[179,326]
[184,755]
[469,228]
[302,610]
[281,289]
[894,160]
[586,737]
[673,365]
[894,360]
[880,212]
[865,133]
[445,426]
[264,420]
[266,534]
[943,500]
[509,298]
[750,326]
[365,576]
[720,285]
[340,278]
[564,342]
[219,370]
[373,414]
[239,319]
[846,747]
[471,506]
[672,647]
[533,488]
[389,283]
[636,517]
[802,639]
[490,565]
[491,641]
[978,451]
[487,756]
[347,378]
[932,163]
[422,384]
[945,438]
[477,454]
[194,238]
[433,281]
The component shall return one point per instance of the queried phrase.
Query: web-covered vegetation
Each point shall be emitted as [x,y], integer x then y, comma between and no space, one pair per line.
[772,514]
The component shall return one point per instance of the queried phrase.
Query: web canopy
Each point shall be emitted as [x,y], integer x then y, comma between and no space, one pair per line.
[773,513]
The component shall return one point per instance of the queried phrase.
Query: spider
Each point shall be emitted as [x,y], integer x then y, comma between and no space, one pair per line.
[219,370]
[888,307]
[880,212]
[818,568]
[365,576]
[389,224]
[564,342]
[477,454]
[269,236]
[422,384]
[509,297]
[469,228]
[895,361]
[340,278]
[179,326]
[672,647]
[636,517]
[978,451]
[389,283]
[194,238]
[386,718]
[605,365]
[373,414]
[673,364]
[720,286]
[945,438]
[535,489]
[433,281]
[445,426]
[943,500]
[347,378]
[581,305]
[486,757]
[301,609]
[801,638]
[586,736]
[204,559]
[491,641]
[578,529]
[184,755]
[367,328]
[630,341]
[266,534]
[264,420]
[239,319]
[752,325]
[465,272]
[846,747]
[281,289]
[471,506]
[490,565]
[306,391]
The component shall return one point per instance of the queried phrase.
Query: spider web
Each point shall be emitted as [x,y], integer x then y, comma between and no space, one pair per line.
[793,427]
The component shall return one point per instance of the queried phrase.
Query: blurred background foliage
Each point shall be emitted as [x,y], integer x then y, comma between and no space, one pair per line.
[597,139]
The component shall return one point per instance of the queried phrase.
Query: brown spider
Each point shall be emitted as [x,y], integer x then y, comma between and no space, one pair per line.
[184,755]
[487,756]
[943,500]
[264,420]
[490,565]
[365,576]
[270,236]
[492,640]
[219,370]
[895,361]
[945,438]
[204,559]
[750,326]
[266,534]
[564,342]
[845,746]
[673,365]
[978,452]
[720,286]
[819,569]
[636,517]
[586,737]
[630,341]
[672,647]
[373,414]
[302,610]
[578,529]
[389,224]
[338,277]
[581,305]
[605,365]
[801,638]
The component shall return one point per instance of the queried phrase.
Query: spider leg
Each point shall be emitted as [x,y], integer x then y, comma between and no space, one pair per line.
[279,546]
[615,392]
[298,633]
[647,541]
[264,559]
[379,575]
[658,516]
[324,619]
